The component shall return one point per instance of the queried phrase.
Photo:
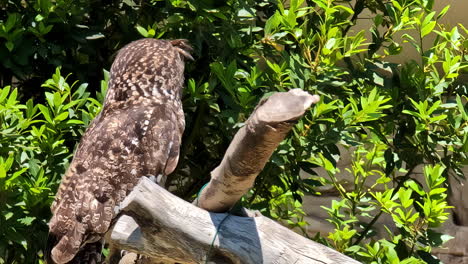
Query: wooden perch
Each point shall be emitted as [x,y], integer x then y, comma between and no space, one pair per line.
[252,147]
[162,226]
[167,229]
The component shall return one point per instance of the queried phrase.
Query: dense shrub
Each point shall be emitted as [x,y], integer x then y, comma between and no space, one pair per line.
[36,144]
[395,117]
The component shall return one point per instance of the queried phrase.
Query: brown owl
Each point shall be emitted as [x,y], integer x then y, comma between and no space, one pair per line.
[137,133]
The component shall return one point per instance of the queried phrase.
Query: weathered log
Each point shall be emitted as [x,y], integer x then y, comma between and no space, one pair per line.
[167,229]
[162,226]
[252,147]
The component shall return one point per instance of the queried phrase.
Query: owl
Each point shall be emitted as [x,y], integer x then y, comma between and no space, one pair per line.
[137,133]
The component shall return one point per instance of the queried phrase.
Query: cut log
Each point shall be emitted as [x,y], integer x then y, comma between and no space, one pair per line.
[252,147]
[164,227]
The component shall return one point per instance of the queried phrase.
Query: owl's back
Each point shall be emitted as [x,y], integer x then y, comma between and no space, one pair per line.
[137,134]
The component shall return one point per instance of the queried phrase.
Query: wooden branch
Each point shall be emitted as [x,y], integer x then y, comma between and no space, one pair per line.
[251,148]
[162,226]
[167,229]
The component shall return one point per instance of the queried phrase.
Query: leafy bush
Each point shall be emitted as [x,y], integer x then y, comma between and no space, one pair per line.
[80,36]
[396,118]
[393,118]
[36,144]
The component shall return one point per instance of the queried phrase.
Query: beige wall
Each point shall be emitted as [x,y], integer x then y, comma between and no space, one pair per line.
[457,14]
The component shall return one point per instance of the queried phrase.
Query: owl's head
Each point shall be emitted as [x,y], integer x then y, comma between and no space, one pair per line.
[183,47]
[148,68]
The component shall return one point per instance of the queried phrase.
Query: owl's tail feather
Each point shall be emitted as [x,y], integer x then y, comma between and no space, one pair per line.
[69,249]
[90,253]
[51,242]
[64,248]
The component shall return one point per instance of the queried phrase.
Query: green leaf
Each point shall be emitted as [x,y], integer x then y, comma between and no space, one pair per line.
[353,249]
[272,23]
[61,116]
[330,43]
[9,45]
[12,99]
[27,221]
[50,99]
[2,171]
[461,108]
[45,112]
[39,18]
[11,21]
[15,175]
[4,93]
[405,197]
[443,12]
[57,100]
[74,122]
[142,31]
[428,25]
[246,13]
[377,79]
[151,33]
[437,191]
[415,187]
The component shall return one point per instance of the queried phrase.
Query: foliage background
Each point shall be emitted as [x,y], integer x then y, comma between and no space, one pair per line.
[394,116]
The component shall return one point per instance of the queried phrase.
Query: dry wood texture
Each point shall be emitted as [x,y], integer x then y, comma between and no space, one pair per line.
[252,147]
[162,226]
[167,229]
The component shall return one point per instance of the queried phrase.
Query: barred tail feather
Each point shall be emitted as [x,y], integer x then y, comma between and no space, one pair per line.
[69,248]
[65,248]
[88,254]
[51,242]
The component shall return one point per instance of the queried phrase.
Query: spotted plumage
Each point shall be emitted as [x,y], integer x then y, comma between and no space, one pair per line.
[137,133]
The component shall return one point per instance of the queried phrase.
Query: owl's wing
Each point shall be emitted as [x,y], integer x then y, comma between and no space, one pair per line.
[162,139]
[177,115]
[83,209]
[113,154]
